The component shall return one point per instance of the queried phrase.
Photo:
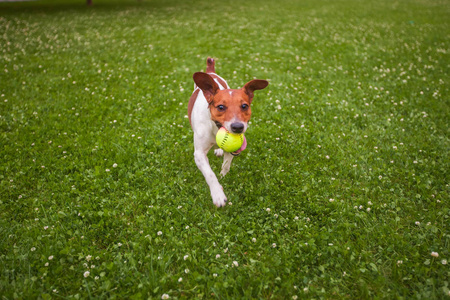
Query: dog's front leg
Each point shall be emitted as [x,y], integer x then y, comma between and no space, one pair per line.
[227,159]
[216,189]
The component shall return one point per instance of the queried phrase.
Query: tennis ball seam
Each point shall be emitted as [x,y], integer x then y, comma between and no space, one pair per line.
[228,141]
[225,138]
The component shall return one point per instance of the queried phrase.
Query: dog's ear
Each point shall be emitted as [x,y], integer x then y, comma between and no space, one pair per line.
[207,84]
[253,85]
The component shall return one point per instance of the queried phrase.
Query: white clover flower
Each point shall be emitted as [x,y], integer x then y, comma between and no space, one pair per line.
[86,274]
[186,271]
[444,261]
[165,296]
[50,257]
[159,233]
[185,257]
[218,256]
[434,254]
[274,245]
[215,275]
[180,279]
[235,264]
[88,258]
[254,240]
[33,249]
[115,165]
[417,223]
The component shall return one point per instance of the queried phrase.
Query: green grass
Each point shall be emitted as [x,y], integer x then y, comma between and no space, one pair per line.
[342,191]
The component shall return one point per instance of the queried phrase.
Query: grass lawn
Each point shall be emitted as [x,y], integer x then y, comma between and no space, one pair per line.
[341,193]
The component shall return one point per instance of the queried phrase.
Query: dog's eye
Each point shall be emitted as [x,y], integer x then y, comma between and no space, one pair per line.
[221,108]
[244,106]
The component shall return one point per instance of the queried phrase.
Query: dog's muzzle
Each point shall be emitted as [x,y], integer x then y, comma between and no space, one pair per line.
[237,127]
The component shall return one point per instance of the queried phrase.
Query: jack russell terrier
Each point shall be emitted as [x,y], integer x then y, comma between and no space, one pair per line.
[214,105]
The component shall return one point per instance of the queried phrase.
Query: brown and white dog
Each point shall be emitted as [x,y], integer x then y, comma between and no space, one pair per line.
[214,105]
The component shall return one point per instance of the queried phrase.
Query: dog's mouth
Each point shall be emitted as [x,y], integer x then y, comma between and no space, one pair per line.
[244,145]
[236,127]
[218,124]
[242,130]
[233,129]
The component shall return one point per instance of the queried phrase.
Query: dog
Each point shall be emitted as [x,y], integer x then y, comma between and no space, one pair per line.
[214,105]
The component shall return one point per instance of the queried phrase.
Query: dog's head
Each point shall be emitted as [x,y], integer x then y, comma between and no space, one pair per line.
[230,107]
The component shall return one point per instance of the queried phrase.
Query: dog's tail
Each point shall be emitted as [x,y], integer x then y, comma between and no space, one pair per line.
[210,65]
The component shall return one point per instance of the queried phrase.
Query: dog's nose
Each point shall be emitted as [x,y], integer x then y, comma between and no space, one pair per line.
[237,127]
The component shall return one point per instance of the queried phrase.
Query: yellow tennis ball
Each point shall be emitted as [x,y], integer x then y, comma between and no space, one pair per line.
[228,141]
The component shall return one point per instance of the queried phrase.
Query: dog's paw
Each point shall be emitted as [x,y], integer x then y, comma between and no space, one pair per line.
[219,198]
[224,171]
[218,152]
